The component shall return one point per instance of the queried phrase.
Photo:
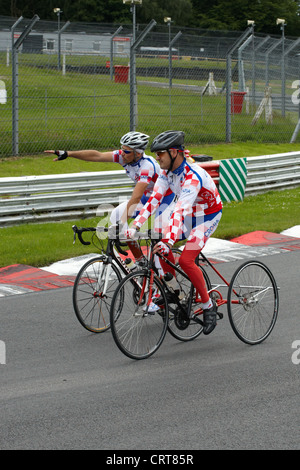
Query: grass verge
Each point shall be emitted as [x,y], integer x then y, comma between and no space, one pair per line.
[42,244]
[43,164]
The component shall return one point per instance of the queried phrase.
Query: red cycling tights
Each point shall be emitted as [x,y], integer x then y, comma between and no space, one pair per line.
[187,263]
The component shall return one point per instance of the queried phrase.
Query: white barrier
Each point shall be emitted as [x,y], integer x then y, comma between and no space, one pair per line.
[268,172]
[31,199]
[59,197]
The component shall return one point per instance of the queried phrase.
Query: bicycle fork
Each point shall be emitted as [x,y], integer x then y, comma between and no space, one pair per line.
[104,273]
[146,290]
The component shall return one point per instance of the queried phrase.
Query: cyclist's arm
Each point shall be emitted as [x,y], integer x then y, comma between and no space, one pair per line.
[136,196]
[87,155]
[183,208]
[153,202]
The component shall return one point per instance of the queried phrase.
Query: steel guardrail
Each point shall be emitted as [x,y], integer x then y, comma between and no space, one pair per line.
[47,198]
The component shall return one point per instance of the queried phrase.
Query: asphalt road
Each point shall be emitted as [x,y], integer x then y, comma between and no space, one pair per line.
[65,388]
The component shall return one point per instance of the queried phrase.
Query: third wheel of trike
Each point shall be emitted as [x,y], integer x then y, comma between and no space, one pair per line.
[252,302]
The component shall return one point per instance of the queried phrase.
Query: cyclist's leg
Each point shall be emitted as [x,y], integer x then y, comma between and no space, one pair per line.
[161,221]
[187,263]
[116,216]
[117,212]
[203,228]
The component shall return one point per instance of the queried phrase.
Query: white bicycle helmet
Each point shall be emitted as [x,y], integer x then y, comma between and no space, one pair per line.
[135,140]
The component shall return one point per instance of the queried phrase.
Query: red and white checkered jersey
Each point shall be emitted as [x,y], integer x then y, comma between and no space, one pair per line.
[145,170]
[196,192]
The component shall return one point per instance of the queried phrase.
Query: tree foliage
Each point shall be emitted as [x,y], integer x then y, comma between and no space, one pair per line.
[210,14]
[229,15]
[181,11]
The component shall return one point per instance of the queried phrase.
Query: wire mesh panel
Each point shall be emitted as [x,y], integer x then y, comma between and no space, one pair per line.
[182,86]
[268,71]
[75,108]
[74,87]
[67,100]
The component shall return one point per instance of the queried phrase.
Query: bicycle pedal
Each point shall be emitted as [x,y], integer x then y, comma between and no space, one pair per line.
[220,315]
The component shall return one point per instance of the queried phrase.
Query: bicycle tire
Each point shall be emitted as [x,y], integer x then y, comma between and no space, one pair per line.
[253,317]
[136,332]
[189,330]
[91,307]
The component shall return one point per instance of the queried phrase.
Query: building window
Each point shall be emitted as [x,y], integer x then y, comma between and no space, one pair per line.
[69,44]
[50,44]
[96,46]
[120,48]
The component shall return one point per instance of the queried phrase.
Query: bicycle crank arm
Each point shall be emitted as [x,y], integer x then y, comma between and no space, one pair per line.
[196,319]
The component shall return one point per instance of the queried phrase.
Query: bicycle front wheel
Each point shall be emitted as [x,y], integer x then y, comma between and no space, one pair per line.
[93,290]
[138,332]
[252,302]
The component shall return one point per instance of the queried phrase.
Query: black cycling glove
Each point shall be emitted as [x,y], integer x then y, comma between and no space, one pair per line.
[62,154]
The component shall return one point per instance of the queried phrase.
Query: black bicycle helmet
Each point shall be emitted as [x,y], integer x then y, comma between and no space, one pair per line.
[167,140]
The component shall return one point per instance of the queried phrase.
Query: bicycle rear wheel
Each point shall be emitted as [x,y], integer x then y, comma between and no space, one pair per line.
[93,290]
[252,302]
[137,332]
[181,328]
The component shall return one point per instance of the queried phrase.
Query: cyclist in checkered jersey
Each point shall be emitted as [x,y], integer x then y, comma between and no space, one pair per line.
[195,217]
[142,169]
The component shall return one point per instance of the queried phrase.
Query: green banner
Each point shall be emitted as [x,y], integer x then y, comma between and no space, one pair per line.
[233,179]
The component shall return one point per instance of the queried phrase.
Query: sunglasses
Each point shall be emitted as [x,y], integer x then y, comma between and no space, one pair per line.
[159,152]
[126,151]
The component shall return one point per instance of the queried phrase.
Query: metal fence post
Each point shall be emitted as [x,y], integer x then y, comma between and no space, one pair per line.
[133,88]
[283,71]
[111,65]
[253,67]
[228,80]
[170,70]
[268,52]
[60,31]
[15,90]
[171,43]
[15,79]
[228,98]
[242,85]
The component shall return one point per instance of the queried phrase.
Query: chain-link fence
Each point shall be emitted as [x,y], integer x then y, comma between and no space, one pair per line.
[77,86]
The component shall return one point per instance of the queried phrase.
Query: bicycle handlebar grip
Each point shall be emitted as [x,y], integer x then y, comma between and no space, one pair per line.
[79,233]
[81,239]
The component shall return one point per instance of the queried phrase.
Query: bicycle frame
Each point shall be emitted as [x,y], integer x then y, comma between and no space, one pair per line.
[220,301]
[112,255]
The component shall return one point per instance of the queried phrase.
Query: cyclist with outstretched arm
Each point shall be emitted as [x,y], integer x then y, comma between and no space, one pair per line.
[142,169]
[195,217]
